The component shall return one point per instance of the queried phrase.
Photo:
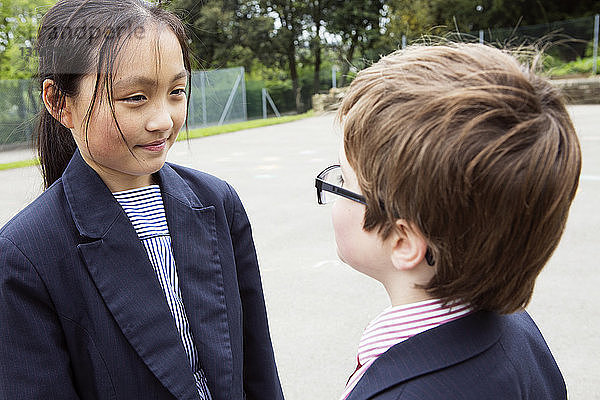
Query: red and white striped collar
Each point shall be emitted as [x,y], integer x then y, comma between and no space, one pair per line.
[397,324]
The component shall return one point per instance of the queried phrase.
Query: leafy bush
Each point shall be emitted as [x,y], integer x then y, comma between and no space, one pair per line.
[577,67]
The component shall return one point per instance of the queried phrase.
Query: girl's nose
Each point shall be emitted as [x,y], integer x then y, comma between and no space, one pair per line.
[160,120]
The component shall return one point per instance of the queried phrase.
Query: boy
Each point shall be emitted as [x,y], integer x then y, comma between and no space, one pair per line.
[458,168]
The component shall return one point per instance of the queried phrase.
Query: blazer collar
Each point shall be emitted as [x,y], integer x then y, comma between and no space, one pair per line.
[95,212]
[430,351]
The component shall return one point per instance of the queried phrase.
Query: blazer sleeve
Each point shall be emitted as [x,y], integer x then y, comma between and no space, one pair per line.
[261,380]
[34,363]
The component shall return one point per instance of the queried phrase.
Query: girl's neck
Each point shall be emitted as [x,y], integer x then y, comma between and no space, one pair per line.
[133,184]
[116,183]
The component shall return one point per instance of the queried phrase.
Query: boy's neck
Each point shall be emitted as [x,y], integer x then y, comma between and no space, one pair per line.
[403,299]
[401,288]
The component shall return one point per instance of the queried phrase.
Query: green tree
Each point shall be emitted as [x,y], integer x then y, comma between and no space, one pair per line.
[482,14]
[225,33]
[402,18]
[320,12]
[358,25]
[291,16]
[18,28]
[210,25]
[411,18]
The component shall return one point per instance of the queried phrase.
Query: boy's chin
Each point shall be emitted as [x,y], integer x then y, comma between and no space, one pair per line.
[345,260]
[348,260]
[339,254]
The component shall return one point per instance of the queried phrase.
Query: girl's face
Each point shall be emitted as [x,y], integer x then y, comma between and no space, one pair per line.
[150,107]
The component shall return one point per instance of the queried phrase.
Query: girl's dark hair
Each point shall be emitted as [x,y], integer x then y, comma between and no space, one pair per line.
[80,37]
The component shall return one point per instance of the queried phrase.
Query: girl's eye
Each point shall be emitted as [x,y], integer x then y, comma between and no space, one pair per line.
[179,92]
[135,99]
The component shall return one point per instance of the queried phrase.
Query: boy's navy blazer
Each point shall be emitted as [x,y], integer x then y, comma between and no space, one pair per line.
[478,357]
[84,317]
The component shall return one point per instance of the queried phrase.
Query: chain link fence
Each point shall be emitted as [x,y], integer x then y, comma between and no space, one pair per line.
[19,105]
[217,97]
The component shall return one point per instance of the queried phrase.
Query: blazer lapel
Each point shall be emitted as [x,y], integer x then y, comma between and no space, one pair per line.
[121,270]
[194,239]
[429,351]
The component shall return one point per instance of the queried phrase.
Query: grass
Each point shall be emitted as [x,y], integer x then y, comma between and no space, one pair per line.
[19,164]
[256,123]
[194,133]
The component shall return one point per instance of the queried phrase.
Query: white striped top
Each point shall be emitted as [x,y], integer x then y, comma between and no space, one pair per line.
[397,324]
[145,209]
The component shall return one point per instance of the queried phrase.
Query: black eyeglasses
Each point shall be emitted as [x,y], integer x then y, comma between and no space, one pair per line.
[329,181]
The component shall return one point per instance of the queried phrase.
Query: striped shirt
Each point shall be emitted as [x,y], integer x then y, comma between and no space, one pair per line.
[144,208]
[397,324]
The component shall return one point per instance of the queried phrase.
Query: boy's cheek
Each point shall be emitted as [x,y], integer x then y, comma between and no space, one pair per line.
[339,229]
[347,227]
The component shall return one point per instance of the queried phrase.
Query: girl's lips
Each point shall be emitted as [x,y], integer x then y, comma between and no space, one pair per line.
[155,146]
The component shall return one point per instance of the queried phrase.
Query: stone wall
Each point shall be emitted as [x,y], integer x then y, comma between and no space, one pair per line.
[576,91]
[328,101]
[580,90]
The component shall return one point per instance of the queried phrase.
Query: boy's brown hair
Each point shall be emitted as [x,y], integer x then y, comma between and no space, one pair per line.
[477,152]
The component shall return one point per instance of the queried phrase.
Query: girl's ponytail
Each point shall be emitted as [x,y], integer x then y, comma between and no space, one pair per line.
[55,146]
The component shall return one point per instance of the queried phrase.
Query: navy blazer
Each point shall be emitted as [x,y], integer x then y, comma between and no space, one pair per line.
[83,315]
[478,357]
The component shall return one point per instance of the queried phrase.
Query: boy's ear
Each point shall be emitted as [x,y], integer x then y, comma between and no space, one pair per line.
[408,246]
[62,114]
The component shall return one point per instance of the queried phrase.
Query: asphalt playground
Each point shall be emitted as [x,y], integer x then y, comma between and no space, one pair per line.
[318,306]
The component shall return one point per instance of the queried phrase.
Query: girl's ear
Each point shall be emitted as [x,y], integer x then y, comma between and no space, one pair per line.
[49,97]
[408,246]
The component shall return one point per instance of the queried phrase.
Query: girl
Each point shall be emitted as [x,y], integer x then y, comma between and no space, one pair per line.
[128,278]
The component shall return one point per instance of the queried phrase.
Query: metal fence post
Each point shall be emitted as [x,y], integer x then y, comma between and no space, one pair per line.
[481,36]
[264,103]
[403,42]
[191,112]
[265,98]
[595,57]
[275,110]
[230,99]
[203,94]
[244,101]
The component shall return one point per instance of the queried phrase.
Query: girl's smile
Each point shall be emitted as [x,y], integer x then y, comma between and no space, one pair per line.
[156,146]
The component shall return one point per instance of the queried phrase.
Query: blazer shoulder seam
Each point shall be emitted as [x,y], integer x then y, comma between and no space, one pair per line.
[33,267]
[510,360]
[23,254]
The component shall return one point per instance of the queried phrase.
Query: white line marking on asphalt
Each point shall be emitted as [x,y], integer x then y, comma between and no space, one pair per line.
[265,167]
[331,263]
[590,178]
